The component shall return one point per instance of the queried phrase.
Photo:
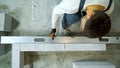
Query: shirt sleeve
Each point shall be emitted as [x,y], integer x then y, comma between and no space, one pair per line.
[66,6]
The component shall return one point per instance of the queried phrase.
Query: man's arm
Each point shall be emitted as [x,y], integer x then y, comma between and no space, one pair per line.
[66,6]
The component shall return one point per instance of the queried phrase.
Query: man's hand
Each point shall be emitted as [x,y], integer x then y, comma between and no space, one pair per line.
[52,33]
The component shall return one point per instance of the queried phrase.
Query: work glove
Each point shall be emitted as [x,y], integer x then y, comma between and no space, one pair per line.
[52,33]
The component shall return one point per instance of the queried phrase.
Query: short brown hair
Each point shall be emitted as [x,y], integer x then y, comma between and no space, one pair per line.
[98,25]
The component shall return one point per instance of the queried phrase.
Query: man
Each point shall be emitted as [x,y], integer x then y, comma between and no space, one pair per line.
[96,23]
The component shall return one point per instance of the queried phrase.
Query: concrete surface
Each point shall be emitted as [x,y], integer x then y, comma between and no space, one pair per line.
[41,18]
[65,59]
[34,19]
[38,21]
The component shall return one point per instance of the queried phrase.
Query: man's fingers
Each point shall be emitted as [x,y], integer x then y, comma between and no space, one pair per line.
[52,35]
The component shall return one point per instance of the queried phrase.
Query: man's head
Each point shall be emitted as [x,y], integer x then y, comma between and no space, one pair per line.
[96,25]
